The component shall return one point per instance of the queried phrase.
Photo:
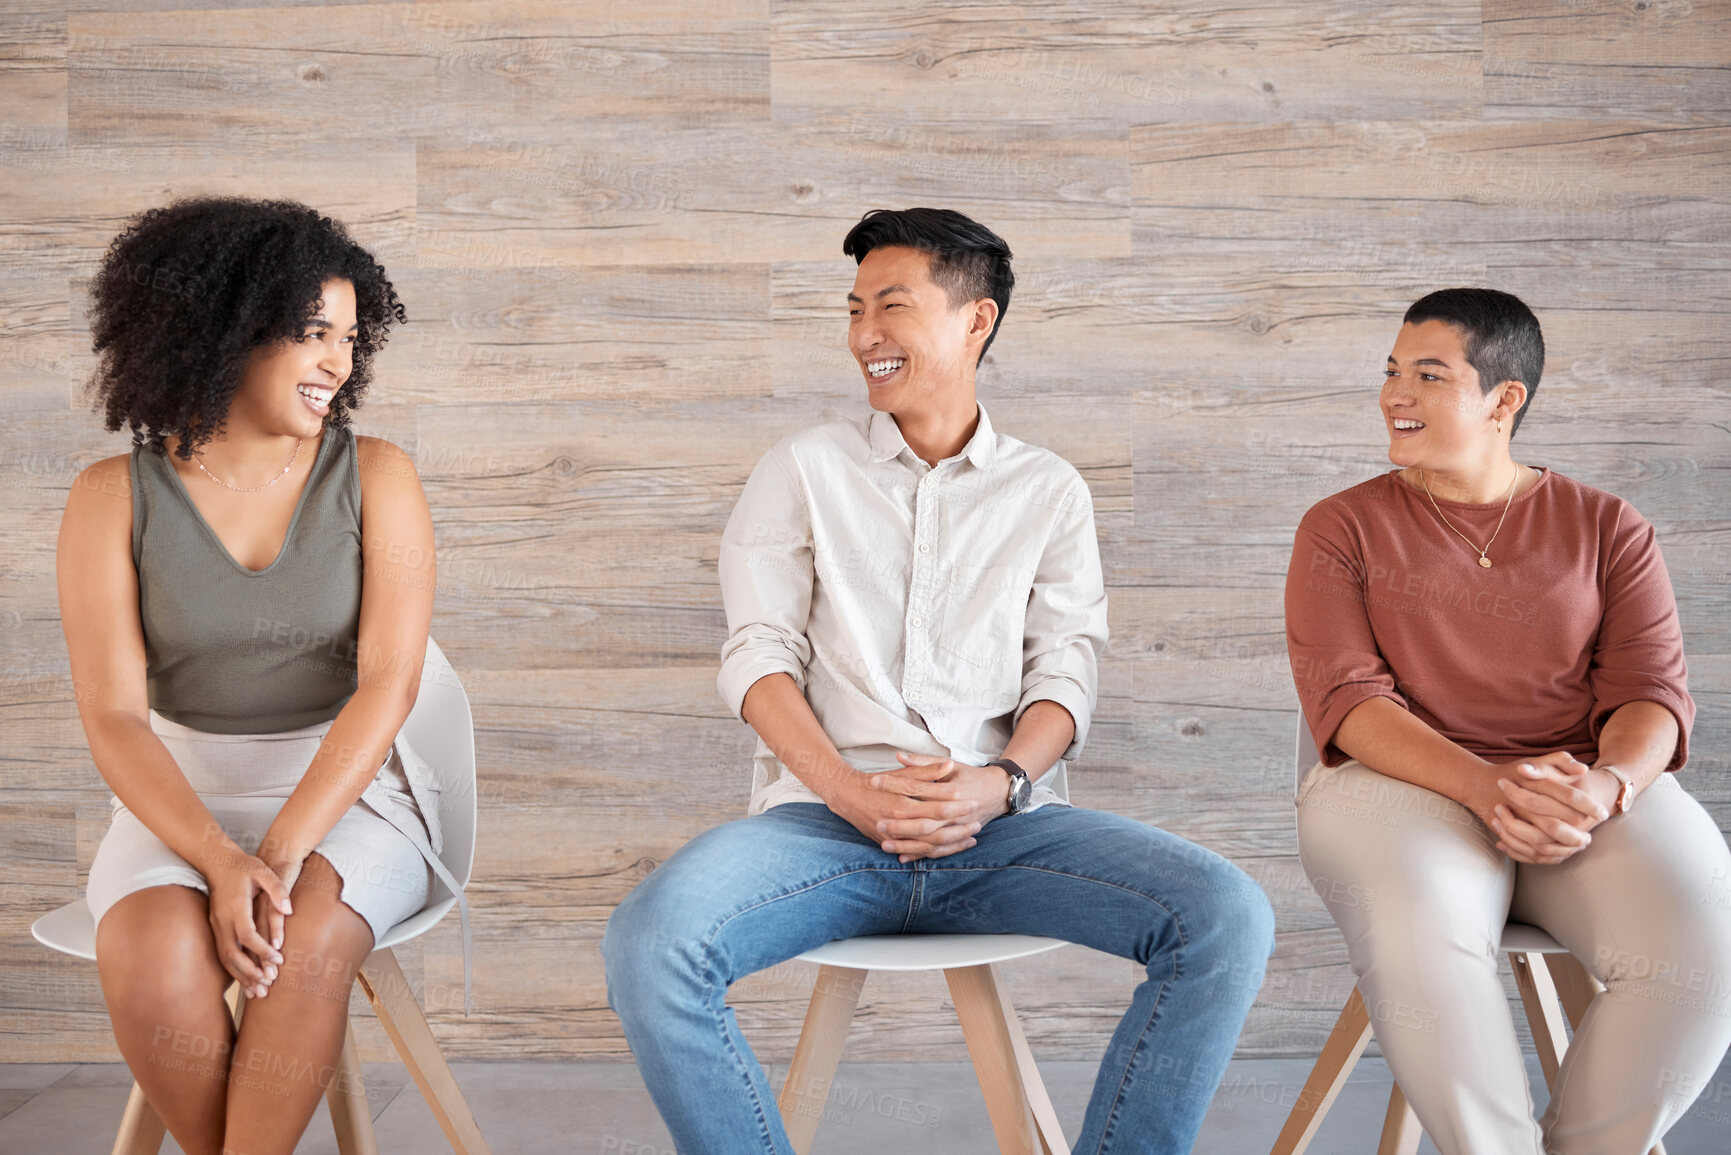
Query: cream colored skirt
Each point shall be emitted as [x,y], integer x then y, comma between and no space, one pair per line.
[244,779]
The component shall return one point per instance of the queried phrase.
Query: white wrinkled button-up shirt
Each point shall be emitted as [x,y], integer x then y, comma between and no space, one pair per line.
[920,608]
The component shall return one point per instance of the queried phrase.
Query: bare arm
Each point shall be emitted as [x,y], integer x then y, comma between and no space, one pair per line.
[1639,739]
[397,587]
[1387,738]
[98,587]
[778,711]
[1542,809]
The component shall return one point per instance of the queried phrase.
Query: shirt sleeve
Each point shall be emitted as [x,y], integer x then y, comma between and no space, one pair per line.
[766,572]
[1639,652]
[1065,627]
[1336,665]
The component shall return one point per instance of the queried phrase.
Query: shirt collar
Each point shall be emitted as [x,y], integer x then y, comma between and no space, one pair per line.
[887,440]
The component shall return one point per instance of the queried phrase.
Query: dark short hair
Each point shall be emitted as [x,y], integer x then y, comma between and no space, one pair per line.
[968,260]
[188,290]
[1499,335]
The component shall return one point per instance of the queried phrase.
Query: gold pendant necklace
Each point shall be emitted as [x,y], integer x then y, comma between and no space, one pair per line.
[1483,560]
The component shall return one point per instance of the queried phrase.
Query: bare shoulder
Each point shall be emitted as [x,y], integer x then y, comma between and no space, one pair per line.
[103,489]
[383,463]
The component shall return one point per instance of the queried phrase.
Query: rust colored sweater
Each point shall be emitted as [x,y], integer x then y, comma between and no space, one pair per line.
[1574,618]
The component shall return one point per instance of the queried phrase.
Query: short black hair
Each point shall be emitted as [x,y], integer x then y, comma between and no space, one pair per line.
[969,261]
[188,290]
[1499,335]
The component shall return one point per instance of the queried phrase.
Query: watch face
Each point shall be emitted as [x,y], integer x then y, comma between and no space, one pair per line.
[1019,796]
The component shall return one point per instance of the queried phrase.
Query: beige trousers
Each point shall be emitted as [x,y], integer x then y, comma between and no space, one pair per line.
[1418,888]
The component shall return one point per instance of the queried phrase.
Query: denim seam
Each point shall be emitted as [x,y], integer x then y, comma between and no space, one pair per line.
[1109,1127]
[713,979]
[1183,938]
[744,1070]
[917,898]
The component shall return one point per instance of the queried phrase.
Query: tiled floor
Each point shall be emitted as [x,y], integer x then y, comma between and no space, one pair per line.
[602,1108]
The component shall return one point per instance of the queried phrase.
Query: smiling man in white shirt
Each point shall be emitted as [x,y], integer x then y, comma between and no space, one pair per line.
[915,612]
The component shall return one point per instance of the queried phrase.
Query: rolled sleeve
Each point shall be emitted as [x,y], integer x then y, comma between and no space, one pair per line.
[1065,629]
[766,571]
[1639,652]
[1336,665]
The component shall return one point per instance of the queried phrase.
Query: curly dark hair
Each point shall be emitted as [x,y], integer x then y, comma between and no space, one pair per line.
[187,290]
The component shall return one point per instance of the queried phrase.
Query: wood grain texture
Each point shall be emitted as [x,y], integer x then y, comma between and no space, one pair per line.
[617,232]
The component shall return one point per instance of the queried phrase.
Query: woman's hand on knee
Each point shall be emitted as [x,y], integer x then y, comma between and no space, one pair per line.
[236,883]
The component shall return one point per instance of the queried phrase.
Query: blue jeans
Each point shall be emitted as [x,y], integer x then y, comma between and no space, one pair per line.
[753,893]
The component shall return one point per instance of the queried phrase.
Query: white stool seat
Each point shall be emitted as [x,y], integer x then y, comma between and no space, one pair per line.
[927,952]
[441,728]
[1520,938]
[69,930]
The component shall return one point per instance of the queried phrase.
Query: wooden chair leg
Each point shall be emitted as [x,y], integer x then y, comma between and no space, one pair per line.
[394,1002]
[834,999]
[1345,1044]
[351,1116]
[1034,1087]
[986,1025]
[1400,1129]
[1544,1014]
[141,1128]
[1577,988]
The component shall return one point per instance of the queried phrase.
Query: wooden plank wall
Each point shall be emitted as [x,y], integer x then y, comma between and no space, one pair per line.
[617,231]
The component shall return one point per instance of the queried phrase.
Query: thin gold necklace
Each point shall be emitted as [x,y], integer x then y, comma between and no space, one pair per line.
[198,459]
[1483,560]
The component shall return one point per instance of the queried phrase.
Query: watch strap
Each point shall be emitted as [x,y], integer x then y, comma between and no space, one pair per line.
[1625,796]
[1021,785]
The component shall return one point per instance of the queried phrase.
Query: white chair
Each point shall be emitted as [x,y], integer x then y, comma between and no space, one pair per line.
[1022,1117]
[1561,977]
[441,729]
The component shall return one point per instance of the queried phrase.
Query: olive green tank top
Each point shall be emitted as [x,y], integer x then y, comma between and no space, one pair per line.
[232,651]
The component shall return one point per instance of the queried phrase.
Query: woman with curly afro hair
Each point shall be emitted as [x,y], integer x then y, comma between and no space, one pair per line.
[246,597]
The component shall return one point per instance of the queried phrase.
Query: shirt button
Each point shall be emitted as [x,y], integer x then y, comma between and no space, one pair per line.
[918,622]
[924,548]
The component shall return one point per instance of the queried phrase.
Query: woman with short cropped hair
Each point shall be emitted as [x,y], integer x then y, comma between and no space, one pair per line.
[1489,658]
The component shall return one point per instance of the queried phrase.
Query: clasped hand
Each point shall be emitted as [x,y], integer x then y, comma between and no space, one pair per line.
[249,899]
[1543,810]
[925,808]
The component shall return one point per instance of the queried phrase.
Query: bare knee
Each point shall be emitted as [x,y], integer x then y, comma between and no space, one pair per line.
[324,941]
[154,948]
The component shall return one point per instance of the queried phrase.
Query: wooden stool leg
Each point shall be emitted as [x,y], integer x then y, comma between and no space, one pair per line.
[1345,1044]
[1400,1129]
[394,1002]
[351,1117]
[986,1017]
[141,1128]
[1539,996]
[833,1002]
[1575,986]
[1034,1087]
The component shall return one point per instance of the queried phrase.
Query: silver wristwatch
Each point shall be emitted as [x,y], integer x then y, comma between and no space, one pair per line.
[1021,789]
